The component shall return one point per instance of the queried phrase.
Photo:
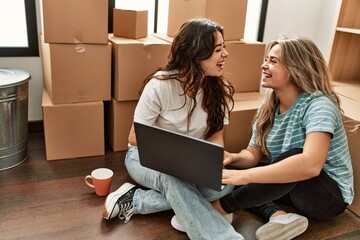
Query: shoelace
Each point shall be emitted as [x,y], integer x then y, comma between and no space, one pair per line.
[126,211]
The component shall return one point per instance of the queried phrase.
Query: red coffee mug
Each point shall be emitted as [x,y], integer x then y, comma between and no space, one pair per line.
[101,180]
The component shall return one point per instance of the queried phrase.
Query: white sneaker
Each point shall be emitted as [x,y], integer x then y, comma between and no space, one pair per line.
[177,225]
[119,203]
[283,227]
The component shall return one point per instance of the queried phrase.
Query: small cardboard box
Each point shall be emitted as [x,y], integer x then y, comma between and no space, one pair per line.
[243,66]
[76,72]
[119,118]
[70,21]
[239,130]
[130,23]
[73,130]
[231,14]
[133,61]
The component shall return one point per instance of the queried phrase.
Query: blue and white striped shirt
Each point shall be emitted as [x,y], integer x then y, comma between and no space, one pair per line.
[313,113]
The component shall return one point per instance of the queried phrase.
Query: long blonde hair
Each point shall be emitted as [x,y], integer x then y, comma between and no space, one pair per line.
[307,71]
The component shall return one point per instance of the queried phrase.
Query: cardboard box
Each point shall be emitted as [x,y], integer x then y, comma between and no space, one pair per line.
[353,134]
[182,10]
[352,125]
[134,60]
[231,14]
[119,118]
[76,72]
[243,66]
[239,130]
[130,23]
[164,37]
[70,21]
[349,89]
[73,130]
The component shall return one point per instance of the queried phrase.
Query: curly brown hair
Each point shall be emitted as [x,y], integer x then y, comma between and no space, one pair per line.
[194,43]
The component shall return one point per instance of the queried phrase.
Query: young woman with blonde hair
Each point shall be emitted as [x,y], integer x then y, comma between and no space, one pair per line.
[299,128]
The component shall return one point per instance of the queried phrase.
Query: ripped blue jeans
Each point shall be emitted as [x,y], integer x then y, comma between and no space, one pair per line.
[190,203]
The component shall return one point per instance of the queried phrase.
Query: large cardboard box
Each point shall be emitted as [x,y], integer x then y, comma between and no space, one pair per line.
[130,23]
[349,89]
[119,118]
[239,130]
[133,61]
[182,10]
[353,134]
[70,21]
[243,66]
[352,125]
[231,14]
[73,130]
[76,72]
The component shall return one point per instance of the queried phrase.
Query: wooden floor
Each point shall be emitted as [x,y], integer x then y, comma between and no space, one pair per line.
[42,199]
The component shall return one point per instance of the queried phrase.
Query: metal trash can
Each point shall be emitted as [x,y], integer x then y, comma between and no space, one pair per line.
[14,84]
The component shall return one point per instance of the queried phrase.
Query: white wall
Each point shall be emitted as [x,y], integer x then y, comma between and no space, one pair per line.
[315,19]
[310,18]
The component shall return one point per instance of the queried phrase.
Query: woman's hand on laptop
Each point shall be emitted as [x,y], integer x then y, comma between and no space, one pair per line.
[228,158]
[233,177]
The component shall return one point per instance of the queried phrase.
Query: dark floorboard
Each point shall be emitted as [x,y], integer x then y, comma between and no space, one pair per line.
[42,199]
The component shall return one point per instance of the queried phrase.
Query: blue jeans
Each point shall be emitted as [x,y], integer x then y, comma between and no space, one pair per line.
[189,202]
[318,198]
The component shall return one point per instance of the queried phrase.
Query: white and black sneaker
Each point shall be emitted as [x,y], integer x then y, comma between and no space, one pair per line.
[120,203]
[283,227]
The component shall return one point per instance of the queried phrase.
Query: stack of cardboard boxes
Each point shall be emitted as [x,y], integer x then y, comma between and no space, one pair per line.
[76,58]
[135,56]
[242,68]
[89,73]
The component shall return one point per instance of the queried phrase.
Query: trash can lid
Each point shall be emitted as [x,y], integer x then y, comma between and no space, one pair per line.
[11,77]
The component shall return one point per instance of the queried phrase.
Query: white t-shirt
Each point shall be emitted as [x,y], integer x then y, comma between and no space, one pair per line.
[162,104]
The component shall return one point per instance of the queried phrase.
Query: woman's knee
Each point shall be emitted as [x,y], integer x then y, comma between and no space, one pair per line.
[324,213]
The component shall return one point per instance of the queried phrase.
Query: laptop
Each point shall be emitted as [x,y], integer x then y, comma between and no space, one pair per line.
[188,158]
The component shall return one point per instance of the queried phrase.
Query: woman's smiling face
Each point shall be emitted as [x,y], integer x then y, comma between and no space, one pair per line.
[214,65]
[274,72]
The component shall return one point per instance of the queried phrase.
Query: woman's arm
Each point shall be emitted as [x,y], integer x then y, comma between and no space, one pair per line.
[217,138]
[247,158]
[292,169]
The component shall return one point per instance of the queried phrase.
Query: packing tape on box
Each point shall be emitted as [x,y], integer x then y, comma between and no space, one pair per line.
[146,51]
[79,46]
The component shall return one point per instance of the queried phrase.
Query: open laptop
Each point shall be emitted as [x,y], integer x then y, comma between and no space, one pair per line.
[188,158]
